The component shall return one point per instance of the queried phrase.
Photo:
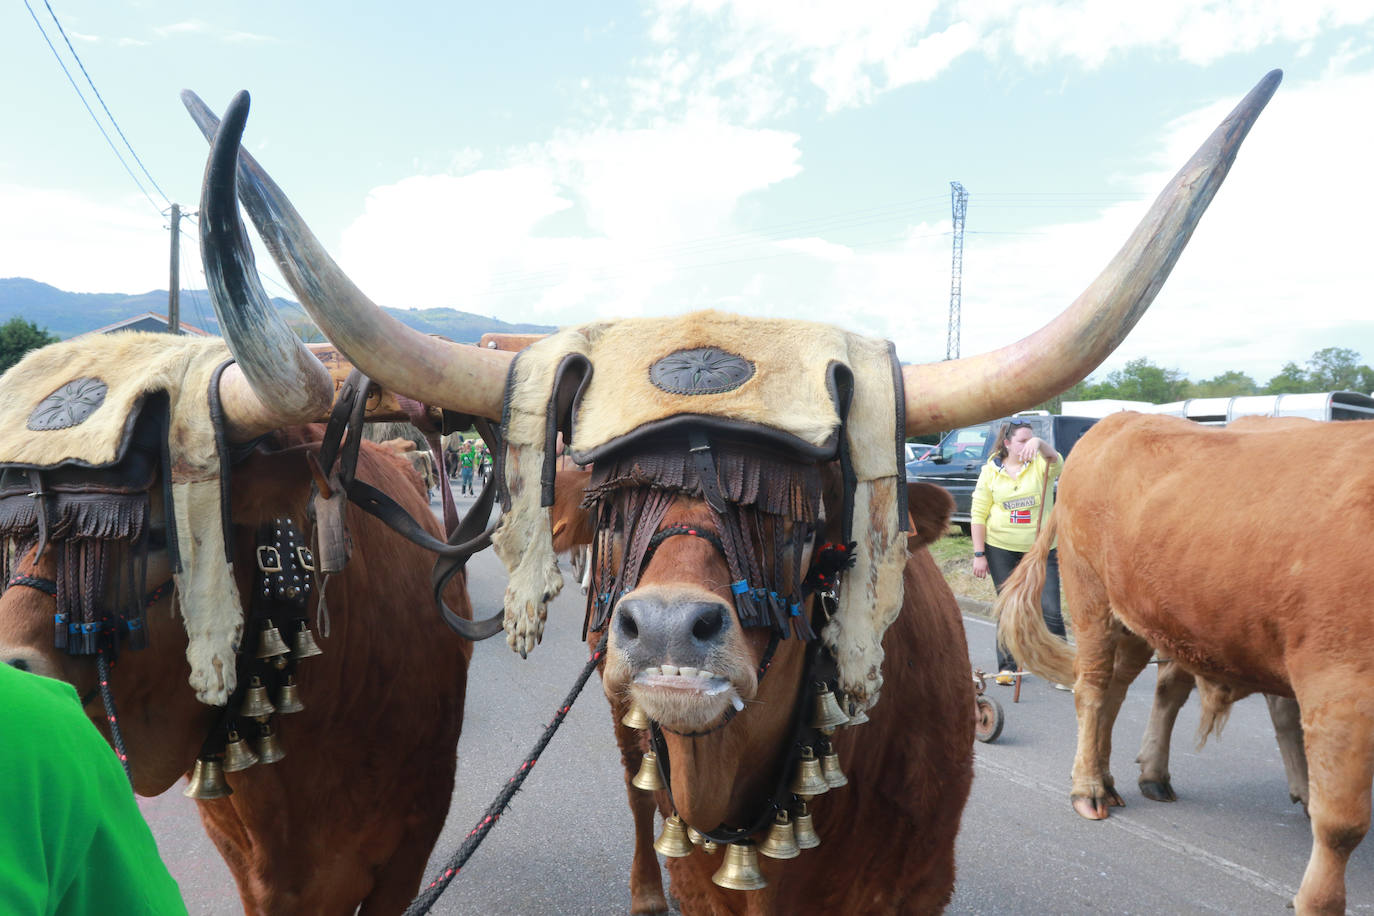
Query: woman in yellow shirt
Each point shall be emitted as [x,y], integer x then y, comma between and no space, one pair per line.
[1007,514]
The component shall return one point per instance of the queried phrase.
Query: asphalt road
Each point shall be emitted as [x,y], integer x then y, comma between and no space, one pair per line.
[1233,843]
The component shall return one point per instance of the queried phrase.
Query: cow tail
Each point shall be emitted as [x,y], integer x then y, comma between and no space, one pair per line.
[1020,623]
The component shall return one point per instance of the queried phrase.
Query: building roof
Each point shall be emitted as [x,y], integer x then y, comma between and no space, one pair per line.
[149,321]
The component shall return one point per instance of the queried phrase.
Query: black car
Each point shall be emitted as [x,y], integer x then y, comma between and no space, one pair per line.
[961,454]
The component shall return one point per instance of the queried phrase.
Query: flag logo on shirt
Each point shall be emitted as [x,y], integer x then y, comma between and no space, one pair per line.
[1020,516]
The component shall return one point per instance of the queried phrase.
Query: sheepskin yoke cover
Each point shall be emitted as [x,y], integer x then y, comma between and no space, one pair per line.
[73,404]
[817,391]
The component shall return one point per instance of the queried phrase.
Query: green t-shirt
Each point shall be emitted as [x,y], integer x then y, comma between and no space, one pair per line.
[72,840]
[465,459]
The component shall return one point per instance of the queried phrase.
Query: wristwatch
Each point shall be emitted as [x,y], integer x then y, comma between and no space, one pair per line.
[978,553]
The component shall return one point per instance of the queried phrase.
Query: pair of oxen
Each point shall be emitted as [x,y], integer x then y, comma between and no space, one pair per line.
[348,818]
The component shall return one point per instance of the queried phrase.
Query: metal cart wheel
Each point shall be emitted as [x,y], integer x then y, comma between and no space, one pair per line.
[988,719]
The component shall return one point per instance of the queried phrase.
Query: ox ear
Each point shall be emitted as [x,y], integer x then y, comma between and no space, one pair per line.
[572,523]
[929,507]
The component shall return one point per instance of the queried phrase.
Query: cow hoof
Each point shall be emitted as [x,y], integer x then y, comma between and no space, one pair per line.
[1114,798]
[1094,809]
[1157,790]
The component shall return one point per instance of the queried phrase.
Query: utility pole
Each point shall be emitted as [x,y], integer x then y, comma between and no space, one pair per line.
[958,199]
[174,287]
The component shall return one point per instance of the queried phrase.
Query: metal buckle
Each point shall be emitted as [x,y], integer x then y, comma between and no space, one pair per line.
[305,558]
[269,559]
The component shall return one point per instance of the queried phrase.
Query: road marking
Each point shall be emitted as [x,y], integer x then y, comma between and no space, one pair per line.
[1125,822]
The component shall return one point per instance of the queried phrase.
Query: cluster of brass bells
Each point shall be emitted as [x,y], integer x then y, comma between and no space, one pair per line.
[272,647]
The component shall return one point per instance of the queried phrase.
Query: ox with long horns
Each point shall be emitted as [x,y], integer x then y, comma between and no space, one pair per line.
[749,559]
[135,462]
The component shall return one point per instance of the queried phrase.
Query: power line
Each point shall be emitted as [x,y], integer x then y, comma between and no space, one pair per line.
[108,113]
[87,105]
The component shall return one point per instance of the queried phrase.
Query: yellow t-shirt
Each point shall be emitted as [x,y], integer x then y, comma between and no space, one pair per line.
[1010,506]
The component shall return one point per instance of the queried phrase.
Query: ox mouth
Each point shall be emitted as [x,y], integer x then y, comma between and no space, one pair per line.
[689,681]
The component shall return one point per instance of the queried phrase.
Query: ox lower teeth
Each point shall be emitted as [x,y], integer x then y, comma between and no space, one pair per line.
[687,672]
[670,669]
[652,671]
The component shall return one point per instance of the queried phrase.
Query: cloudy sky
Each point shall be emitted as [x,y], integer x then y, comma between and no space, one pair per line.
[557,162]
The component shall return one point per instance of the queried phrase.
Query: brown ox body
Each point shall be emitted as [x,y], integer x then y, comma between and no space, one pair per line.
[348,818]
[887,838]
[1181,538]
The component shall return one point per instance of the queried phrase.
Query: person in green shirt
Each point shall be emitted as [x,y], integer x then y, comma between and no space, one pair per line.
[72,840]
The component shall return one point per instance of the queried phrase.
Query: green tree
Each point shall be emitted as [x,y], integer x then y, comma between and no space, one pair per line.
[1229,384]
[1142,380]
[1338,369]
[17,337]
[1290,380]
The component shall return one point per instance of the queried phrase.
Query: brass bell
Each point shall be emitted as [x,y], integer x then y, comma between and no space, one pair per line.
[830,770]
[807,838]
[237,754]
[826,713]
[781,842]
[635,718]
[710,847]
[269,749]
[306,647]
[289,700]
[271,645]
[255,702]
[647,778]
[740,870]
[859,718]
[673,842]
[207,781]
[808,783]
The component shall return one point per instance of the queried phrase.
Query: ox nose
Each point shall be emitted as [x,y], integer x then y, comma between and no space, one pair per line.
[21,663]
[652,631]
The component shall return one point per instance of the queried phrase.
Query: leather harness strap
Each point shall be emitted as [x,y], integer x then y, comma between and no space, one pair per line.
[471,534]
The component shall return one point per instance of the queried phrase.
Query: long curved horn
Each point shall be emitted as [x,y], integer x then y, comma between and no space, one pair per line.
[275,381]
[944,395]
[462,378]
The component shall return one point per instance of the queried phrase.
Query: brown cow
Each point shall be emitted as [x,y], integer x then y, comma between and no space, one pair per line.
[903,781]
[1239,600]
[347,819]
[804,399]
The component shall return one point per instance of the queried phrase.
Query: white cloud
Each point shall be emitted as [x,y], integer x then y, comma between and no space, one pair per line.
[636,210]
[1278,267]
[853,51]
[68,241]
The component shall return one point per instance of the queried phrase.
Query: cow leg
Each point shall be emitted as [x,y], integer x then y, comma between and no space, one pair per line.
[1287,719]
[1339,733]
[1131,657]
[1096,633]
[1172,686]
[400,878]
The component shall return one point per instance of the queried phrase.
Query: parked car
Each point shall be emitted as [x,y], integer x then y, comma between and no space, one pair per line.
[954,463]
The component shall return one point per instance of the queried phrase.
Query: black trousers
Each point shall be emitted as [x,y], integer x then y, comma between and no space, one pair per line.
[1000,565]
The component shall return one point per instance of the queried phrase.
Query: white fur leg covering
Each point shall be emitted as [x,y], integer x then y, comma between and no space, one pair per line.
[870,595]
[209,597]
[524,543]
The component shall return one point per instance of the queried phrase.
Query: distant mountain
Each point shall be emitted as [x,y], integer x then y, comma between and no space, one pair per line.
[66,314]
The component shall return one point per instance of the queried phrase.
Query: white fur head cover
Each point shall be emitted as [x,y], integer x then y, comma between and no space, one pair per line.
[131,366]
[811,387]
